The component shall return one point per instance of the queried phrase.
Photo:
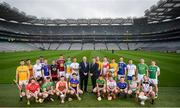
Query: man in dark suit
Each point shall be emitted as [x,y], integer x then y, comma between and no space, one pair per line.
[83,72]
[94,72]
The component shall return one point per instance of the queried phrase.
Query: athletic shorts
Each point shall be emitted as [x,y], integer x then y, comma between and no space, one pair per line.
[68,75]
[35,94]
[74,88]
[133,89]
[100,89]
[119,76]
[46,77]
[62,73]
[154,81]
[140,77]
[129,77]
[23,82]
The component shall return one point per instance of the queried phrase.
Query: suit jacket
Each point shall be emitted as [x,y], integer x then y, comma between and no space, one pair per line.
[94,70]
[83,69]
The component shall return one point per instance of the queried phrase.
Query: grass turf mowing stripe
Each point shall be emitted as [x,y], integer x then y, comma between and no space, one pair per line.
[168,97]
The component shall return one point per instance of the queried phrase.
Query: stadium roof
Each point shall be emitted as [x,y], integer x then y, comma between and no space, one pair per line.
[164,10]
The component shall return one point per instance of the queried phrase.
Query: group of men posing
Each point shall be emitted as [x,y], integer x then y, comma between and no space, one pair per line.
[66,78]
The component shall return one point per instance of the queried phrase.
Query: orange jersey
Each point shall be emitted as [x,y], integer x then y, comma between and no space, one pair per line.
[22,72]
[30,70]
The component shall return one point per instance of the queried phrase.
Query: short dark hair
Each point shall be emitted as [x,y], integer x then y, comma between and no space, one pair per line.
[133,76]
[121,57]
[74,74]
[121,77]
[48,78]
[62,76]
[41,56]
[21,60]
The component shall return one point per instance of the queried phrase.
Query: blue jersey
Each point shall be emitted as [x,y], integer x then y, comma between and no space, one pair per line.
[74,83]
[45,68]
[122,85]
[122,68]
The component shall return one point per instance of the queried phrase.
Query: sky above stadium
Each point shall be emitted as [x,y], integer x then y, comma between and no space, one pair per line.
[82,8]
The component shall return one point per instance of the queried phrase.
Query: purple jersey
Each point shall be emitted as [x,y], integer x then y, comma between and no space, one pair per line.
[122,68]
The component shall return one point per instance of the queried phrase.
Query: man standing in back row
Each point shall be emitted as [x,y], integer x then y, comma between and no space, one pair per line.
[142,69]
[61,68]
[83,71]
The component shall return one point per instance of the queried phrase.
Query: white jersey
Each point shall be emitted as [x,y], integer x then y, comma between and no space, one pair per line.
[146,86]
[111,84]
[75,67]
[37,70]
[131,68]
[133,84]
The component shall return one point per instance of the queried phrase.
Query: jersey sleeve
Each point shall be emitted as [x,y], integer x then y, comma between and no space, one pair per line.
[158,69]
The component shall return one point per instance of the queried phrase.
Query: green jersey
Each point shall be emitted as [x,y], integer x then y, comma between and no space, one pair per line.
[153,70]
[142,69]
[100,82]
[47,86]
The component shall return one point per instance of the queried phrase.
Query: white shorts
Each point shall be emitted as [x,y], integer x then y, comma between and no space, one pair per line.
[154,81]
[23,82]
[140,77]
[62,73]
[38,74]
[46,77]
[68,75]
[119,76]
[104,71]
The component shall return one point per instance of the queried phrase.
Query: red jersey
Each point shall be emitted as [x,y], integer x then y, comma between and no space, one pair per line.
[60,64]
[33,87]
[61,85]
[105,65]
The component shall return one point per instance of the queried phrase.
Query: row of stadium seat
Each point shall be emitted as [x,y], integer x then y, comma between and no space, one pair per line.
[88,30]
[163,46]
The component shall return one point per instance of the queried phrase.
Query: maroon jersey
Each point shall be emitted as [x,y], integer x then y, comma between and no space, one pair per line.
[53,69]
[60,64]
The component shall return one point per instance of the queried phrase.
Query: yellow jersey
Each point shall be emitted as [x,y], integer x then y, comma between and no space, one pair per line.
[99,65]
[115,67]
[22,72]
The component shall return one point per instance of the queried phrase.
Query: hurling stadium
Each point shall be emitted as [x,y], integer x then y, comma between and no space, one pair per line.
[152,39]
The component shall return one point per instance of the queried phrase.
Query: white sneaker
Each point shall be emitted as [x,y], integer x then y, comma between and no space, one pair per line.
[79,98]
[62,101]
[70,99]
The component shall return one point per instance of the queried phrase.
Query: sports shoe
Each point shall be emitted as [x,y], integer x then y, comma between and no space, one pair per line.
[41,100]
[62,101]
[79,98]
[28,102]
[52,99]
[156,96]
[37,100]
[20,99]
[69,99]
[152,101]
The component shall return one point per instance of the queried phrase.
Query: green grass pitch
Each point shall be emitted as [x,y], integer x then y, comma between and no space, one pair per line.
[169,85]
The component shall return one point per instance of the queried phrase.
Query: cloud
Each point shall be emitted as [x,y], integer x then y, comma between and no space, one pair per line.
[83,8]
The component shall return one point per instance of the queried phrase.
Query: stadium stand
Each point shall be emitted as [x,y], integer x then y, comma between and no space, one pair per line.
[88,46]
[64,46]
[154,31]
